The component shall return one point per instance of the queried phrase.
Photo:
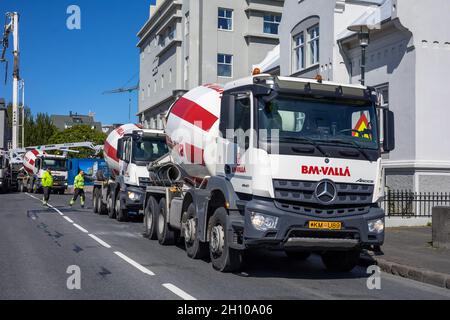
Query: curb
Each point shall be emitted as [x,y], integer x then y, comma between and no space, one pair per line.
[422,275]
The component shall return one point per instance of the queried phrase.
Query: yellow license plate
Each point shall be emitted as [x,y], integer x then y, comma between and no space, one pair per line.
[322,225]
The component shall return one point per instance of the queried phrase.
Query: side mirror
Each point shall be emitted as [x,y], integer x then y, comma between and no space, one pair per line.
[389,131]
[119,149]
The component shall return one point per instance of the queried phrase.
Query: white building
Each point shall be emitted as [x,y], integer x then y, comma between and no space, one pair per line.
[408,59]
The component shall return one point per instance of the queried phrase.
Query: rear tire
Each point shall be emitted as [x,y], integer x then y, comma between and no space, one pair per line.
[111,207]
[195,249]
[341,261]
[223,258]
[151,213]
[166,237]
[298,255]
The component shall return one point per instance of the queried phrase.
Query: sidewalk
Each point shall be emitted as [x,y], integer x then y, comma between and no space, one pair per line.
[408,252]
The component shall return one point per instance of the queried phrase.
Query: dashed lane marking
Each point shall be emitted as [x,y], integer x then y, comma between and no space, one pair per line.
[134,263]
[103,243]
[80,228]
[182,294]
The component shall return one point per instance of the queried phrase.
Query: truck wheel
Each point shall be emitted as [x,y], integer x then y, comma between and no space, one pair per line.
[297,255]
[166,237]
[111,209]
[195,249]
[223,258]
[95,206]
[151,213]
[341,261]
[121,213]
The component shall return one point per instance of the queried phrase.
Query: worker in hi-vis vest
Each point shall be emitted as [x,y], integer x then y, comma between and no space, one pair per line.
[47,185]
[79,189]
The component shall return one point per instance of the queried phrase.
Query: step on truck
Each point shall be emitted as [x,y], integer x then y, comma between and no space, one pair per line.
[272,162]
[127,151]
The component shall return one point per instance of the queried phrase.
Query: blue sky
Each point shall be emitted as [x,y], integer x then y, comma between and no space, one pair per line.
[68,70]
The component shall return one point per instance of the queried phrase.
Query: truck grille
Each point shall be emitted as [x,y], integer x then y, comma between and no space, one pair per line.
[303,192]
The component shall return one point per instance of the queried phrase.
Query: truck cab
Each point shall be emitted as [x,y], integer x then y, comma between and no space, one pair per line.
[124,192]
[58,167]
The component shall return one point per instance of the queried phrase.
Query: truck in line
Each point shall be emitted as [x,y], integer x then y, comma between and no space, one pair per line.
[127,151]
[279,162]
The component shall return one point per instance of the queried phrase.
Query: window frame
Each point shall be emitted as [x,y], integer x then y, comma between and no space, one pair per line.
[226,64]
[296,48]
[226,18]
[272,22]
[314,40]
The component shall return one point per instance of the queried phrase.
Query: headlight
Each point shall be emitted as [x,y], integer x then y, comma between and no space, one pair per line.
[376,226]
[134,196]
[262,222]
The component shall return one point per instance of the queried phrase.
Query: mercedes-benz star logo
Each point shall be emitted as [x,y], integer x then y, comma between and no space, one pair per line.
[326,191]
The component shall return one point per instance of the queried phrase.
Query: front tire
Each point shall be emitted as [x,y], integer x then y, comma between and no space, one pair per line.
[223,258]
[341,261]
[195,249]
[121,212]
[151,213]
[166,237]
[95,206]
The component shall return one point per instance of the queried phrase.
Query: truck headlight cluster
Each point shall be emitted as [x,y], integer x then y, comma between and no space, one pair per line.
[134,196]
[263,222]
[376,226]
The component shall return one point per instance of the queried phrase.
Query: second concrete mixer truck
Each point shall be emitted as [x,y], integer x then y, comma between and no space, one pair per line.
[127,151]
[286,163]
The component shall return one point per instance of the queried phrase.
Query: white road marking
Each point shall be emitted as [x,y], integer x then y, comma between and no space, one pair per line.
[134,264]
[60,213]
[80,228]
[178,291]
[68,219]
[103,243]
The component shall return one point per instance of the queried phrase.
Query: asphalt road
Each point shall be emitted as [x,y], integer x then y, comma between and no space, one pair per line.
[37,245]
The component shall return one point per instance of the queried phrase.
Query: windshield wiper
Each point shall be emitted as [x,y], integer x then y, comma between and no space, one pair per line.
[353,144]
[307,141]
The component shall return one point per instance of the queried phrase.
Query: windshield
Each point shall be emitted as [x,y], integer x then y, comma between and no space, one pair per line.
[149,149]
[55,164]
[320,122]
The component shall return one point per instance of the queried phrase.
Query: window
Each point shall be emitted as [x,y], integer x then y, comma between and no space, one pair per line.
[225,21]
[225,65]
[154,88]
[186,69]
[299,52]
[314,44]
[242,121]
[162,40]
[271,23]
[186,24]
[171,33]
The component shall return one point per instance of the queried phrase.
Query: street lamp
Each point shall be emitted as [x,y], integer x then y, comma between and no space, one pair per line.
[364,40]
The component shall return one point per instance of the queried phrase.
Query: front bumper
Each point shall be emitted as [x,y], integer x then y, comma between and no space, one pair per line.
[136,204]
[293,232]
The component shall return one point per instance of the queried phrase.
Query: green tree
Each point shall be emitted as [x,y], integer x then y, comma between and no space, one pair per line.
[79,133]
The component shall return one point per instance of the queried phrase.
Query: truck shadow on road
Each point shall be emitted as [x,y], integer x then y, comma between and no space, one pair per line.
[275,264]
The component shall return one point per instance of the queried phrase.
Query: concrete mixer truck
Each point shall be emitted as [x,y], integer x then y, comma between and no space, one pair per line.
[127,151]
[285,163]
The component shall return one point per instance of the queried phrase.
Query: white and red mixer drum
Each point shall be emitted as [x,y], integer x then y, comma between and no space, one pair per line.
[29,161]
[192,129]
[111,143]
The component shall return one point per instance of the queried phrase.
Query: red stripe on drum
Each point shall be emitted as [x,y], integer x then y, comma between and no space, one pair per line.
[111,151]
[194,154]
[193,113]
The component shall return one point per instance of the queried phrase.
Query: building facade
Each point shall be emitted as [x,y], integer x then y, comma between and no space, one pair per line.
[407,59]
[186,43]
[5,130]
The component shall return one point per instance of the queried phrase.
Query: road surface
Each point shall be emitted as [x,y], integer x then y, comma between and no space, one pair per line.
[38,245]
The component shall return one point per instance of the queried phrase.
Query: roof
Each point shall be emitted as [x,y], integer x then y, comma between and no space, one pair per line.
[379,12]
[64,121]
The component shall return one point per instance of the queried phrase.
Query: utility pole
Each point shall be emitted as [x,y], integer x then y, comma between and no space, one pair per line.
[23,112]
